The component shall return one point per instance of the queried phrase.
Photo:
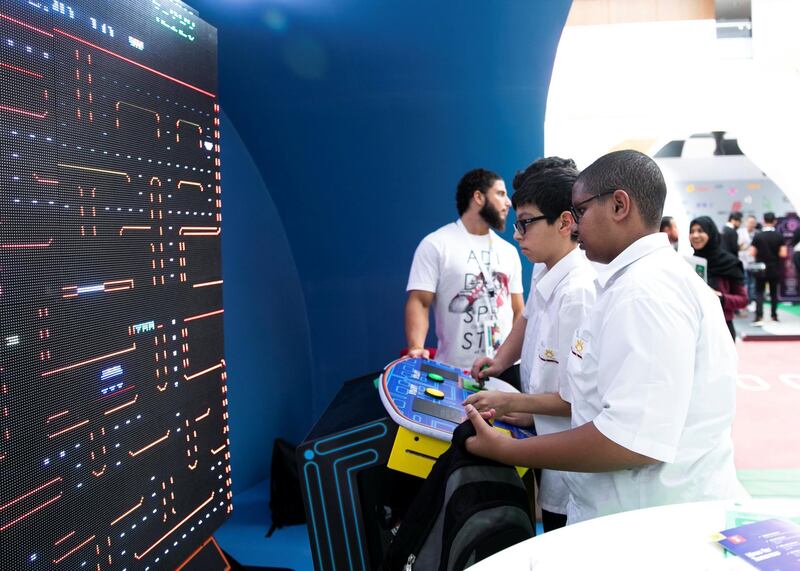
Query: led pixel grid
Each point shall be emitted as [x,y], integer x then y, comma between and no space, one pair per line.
[114,450]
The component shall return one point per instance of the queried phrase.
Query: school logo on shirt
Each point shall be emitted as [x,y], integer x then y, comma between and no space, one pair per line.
[549,356]
[577,348]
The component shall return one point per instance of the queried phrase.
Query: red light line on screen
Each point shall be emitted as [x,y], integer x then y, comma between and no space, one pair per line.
[24,25]
[21,246]
[115,393]
[100,473]
[73,427]
[180,523]
[203,372]
[21,70]
[89,361]
[63,539]
[199,231]
[58,414]
[33,511]
[121,230]
[118,285]
[73,550]
[123,405]
[30,493]
[130,511]
[44,180]
[137,64]
[23,112]
[202,416]
[202,315]
[162,439]
[206,284]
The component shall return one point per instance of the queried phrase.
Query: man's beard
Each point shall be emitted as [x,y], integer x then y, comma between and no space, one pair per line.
[492,217]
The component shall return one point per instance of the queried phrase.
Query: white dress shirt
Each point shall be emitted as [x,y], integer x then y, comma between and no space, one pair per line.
[654,367]
[558,301]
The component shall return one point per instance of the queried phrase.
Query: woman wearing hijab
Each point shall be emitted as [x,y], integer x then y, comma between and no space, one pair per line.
[725,272]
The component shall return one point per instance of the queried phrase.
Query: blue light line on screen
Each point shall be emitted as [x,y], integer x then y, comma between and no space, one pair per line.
[111,389]
[90,289]
[144,327]
[111,372]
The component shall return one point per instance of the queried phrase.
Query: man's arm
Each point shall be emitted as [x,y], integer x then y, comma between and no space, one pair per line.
[417,321]
[582,449]
[517,305]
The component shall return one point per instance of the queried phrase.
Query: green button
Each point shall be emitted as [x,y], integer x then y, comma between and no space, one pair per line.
[472,386]
[435,377]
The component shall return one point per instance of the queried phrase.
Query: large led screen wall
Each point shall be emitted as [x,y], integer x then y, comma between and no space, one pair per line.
[113,411]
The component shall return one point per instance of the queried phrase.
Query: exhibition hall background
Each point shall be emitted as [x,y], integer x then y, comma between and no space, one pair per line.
[345,128]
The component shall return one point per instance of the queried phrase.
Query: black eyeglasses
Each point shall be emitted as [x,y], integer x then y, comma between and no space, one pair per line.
[521,226]
[578,211]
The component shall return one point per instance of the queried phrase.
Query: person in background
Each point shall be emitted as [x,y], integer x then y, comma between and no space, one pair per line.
[670,227]
[730,236]
[746,234]
[768,248]
[469,275]
[796,252]
[725,271]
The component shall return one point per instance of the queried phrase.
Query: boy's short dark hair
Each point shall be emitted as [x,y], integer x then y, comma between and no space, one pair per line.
[666,222]
[769,217]
[476,179]
[546,184]
[737,216]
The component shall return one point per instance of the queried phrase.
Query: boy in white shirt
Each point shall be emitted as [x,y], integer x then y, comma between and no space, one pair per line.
[652,372]
[562,292]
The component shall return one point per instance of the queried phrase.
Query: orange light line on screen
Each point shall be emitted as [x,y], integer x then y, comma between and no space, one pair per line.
[122,285]
[23,112]
[203,372]
[73,427]
[24,25]
[21,70]
[33,491]
[216,451]
[180,523]
[190,183]
[73,550]
[202,315]
[34,245]
[66,537]
[137,64]
[199,231]
[130,511]
[91,169]
[124,405]
[162,439]
[56,415]
[33,511]
[121,230]
[206,284]
[89,361]
[44,180]
[202,416]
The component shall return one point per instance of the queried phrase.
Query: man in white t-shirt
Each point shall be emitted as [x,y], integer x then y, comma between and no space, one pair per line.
[469,275]
[652,370]
[562,293]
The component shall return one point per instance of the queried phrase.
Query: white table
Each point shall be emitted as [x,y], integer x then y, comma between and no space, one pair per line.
[674,537]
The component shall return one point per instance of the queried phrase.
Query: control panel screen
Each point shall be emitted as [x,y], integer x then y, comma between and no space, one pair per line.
[114,450]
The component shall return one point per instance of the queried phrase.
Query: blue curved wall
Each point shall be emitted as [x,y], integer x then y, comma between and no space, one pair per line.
[360,115]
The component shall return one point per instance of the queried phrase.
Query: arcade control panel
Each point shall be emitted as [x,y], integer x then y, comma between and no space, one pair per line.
[425,397]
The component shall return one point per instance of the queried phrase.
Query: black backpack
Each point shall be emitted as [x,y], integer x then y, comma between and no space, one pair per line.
[286,497]
[467,509]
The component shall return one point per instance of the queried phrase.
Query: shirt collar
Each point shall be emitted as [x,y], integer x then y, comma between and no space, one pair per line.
[640,248]
[545,281]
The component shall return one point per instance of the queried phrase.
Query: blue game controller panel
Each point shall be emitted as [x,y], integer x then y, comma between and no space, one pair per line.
[425,396]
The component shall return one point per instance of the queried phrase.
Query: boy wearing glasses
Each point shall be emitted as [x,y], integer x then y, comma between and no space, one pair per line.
[562,292]
[652,368]
[469,275]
